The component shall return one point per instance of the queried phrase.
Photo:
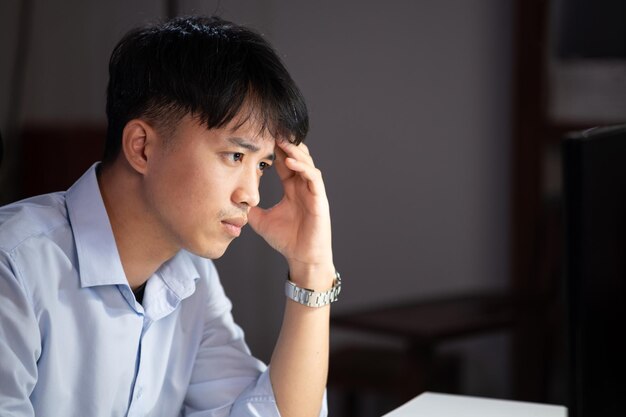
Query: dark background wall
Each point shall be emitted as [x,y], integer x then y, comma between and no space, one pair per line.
[410,105]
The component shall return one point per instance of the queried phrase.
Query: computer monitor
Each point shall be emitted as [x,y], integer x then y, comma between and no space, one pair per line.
[595,212]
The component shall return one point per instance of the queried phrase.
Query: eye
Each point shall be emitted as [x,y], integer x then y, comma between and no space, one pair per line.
[232,158]
[264,166]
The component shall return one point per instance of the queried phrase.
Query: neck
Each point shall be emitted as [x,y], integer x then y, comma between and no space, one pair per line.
[141,247]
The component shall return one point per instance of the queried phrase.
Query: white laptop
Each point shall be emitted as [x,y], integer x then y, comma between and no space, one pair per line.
[431,404]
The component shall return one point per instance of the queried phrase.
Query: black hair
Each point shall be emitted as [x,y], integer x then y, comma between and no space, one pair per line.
[204,66]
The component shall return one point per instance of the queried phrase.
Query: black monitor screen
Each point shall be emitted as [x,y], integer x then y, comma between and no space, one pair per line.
[595,209]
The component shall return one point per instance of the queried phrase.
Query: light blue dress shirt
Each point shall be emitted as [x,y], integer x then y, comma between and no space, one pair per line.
[75,342]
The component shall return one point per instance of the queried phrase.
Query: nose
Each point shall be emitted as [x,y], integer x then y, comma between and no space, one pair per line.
[247,191]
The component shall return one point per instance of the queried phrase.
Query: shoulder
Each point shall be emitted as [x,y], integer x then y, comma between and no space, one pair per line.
[35,217]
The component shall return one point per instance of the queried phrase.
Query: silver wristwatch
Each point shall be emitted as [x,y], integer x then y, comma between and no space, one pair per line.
[312,298]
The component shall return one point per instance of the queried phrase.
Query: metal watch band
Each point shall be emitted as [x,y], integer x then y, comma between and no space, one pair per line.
[312,298]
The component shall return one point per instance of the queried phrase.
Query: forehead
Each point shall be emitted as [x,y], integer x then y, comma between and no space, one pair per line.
[247,131]
[251,131]
[250,136]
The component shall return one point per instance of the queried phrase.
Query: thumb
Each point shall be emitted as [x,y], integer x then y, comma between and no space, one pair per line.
[255,218]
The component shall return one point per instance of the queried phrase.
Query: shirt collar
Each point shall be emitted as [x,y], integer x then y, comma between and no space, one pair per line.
[180,274]
[99,262]
[98,259]
[174,281]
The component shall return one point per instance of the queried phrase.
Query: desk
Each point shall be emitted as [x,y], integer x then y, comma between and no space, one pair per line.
[425,323]
[422,325]
[443,405]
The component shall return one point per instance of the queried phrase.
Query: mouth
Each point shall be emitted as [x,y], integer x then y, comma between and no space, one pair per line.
[233,226]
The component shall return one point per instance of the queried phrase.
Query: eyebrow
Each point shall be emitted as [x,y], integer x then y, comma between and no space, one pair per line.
[242,143]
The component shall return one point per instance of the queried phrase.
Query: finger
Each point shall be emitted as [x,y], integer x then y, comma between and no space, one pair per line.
[299,152]
[312,175]
[304,148]
[287,149]
[255,217]
[282,170]
[296,150]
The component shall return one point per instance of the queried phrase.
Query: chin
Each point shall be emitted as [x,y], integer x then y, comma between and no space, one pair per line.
[207,245]
[210,252]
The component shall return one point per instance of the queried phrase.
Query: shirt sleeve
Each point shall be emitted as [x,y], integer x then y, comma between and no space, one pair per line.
[258,400]
[226,379]
[19,344]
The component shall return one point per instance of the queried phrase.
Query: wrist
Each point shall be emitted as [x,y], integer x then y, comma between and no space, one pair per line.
[316,277]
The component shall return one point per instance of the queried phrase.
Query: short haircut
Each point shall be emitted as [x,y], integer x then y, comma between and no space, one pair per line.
[207,67]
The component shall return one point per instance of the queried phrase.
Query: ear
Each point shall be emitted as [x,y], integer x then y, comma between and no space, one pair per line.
[138,143]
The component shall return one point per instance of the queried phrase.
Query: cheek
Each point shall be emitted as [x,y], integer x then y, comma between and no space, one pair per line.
[189,197]
[202,194]
[174,192]
[191,190]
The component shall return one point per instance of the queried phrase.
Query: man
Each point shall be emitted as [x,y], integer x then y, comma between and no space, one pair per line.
[109,304]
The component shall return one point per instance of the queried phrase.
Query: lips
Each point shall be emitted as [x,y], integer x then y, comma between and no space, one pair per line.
[233,226]
[236,221]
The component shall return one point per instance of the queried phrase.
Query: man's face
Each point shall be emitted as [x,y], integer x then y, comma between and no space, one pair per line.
[200,187]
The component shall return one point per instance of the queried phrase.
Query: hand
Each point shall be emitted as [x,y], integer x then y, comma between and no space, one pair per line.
[299,225]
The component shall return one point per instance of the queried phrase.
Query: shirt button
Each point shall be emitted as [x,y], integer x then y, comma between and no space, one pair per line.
[139,393]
